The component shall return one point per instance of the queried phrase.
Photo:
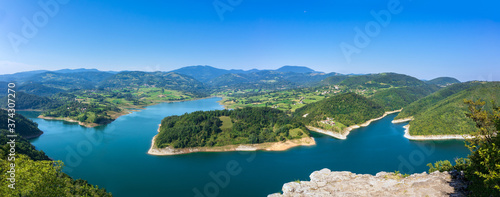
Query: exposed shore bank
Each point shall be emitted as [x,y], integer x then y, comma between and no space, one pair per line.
[346,131]
[427,137]
[114,115]
[433,137]
[268,146]
[89,125]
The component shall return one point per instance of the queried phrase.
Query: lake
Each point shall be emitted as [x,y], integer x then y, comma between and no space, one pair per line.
[114,156]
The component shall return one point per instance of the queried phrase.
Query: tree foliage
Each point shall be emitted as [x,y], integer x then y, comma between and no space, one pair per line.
[444,111]
[348,109]
[35,173]
[482,167]
[397,98]
[24,126]
[206,129]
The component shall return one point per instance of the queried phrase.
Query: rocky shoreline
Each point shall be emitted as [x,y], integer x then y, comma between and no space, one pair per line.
[346,131]
[268,146]
[328,183]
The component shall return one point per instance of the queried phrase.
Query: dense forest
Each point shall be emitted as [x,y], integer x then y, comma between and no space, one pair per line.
[24,126]
[426,102]
[382,80]
[448,116]
[443,81]
[397,98]
[36,174]
[30,101]
[84,112]
[481,169]
[226,127]
[344,109]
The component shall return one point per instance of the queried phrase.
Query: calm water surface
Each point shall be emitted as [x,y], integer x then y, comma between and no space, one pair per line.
[114,156]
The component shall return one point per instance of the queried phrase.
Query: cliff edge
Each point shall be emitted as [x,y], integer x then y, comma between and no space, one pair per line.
[328,183]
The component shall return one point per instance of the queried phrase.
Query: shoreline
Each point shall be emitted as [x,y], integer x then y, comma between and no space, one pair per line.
[427,137]
[115,115]
[88,125]
[432,137]
[402,120]
[347,131]
[268,146]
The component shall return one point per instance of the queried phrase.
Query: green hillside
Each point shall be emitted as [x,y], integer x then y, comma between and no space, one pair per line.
[24,126]
[170,80]
[447,116]
[30,101]
[226,127]
[66,81]
[334,80]
[424,103]
[382,80]
[38,89]
[345,110]
[397,98]
[35,173]
[443,81]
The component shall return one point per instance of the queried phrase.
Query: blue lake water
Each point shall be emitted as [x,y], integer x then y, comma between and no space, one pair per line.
[114,156]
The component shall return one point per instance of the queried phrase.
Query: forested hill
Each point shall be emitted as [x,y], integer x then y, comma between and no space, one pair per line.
[24,126]
[267,80]
[426,102]
[35,173]
[170,80]
[208,73]
[226,127]
[443,81]
[65,81]
[400,97]
[382,80]
[444,112]
[344,110]
[30,101]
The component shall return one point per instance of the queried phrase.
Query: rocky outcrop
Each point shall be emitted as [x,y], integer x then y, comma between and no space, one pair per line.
[328,183]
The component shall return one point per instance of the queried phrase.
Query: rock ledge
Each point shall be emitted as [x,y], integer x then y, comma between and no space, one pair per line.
[328,183]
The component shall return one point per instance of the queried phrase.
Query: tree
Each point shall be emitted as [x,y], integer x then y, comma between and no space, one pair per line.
[484,169]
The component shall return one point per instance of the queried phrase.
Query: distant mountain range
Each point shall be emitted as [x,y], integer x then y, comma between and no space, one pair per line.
[202,80]
[200,73]
[207,73]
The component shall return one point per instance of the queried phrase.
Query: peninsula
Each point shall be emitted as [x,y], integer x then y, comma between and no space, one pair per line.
[246,129]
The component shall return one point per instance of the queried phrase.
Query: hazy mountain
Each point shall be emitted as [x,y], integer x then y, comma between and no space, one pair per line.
[167,80]
[208,73]
[203,73]
[70,80]
[21,77]
[295,69]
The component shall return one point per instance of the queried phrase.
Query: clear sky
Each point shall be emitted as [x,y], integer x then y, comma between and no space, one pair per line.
[422,38]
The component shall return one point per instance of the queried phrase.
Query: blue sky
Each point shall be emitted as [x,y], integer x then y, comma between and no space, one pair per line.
[423,38]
